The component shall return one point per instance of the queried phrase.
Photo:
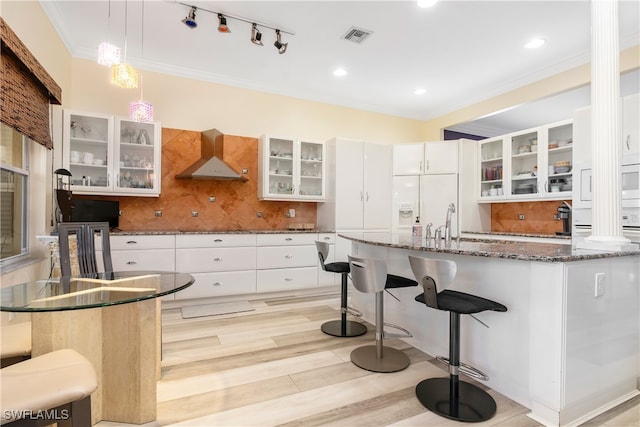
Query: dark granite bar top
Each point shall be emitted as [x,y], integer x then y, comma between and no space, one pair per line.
[510,234]
[518,250]
[169,232]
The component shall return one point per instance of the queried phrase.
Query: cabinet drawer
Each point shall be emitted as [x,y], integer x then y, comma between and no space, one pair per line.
[214,240]
[217,284]
[327,237]
[152,259]
[142,242]
[215,259]
[287,239]
[287,256]
[286,279]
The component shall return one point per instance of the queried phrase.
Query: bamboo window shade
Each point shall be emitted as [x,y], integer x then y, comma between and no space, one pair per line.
[26,89]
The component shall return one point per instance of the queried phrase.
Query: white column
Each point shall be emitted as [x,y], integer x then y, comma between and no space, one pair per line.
[605,130]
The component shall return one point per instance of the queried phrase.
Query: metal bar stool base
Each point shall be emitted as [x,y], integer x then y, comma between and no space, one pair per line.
[393,360]
[472,404]
[338,328]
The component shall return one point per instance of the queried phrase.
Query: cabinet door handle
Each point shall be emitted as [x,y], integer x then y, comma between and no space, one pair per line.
[361,196]
[218,240]
[288,239]
[428,166]
[288,256]
[217,259]
[131,263]
[367,198]
[627,142]
[420,165]
[217,284]
[288,279]
[132,242]
[326,238]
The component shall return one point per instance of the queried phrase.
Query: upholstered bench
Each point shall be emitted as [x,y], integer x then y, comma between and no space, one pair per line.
[55,385]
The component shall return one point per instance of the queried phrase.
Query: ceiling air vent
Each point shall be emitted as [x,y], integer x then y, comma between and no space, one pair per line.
[357,35]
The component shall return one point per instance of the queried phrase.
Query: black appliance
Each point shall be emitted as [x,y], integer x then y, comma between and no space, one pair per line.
[85,210]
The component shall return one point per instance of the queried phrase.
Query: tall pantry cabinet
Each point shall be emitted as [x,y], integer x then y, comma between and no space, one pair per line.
[358,189]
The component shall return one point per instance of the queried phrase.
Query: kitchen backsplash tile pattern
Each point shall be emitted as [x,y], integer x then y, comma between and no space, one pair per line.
[236,202]
[538,217]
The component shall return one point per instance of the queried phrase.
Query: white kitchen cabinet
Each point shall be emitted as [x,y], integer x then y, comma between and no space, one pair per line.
[441,157]
[360,186]
[631,128]
[435,157]
[291,169]
[534,164]
[408,159]
[142,252]
[286,261]
[222,264]
[113,156]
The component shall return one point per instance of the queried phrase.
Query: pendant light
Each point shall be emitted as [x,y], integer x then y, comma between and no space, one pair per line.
[108,53]
[123,74]
[141,111]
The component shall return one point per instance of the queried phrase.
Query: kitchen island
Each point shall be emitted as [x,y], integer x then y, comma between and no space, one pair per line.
[568,347]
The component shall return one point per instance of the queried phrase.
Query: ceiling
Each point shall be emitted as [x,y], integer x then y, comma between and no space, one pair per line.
[460,52]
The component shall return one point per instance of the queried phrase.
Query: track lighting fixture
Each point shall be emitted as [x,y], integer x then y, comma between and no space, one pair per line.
[190,19]
[256,35]
[222,26]
[282,47]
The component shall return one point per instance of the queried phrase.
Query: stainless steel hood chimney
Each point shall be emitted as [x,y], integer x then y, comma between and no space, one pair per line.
[210,164]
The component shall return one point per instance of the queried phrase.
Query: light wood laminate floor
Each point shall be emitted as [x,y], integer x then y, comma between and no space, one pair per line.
[274,367]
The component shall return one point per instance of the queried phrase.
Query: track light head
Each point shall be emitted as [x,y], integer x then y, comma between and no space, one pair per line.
[222,26]
[190,19]
[282,47]
[256,35]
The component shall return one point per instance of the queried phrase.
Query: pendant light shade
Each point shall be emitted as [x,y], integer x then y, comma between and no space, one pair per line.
[108,54]
[141,111]
[124,76]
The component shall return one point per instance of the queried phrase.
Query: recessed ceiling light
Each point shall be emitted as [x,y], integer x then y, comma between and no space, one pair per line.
[339,72]
[426,3]
[420,91]
[535,43]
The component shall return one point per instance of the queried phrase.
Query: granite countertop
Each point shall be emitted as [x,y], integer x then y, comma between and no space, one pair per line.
[167,232]
[510,234]
[518,250]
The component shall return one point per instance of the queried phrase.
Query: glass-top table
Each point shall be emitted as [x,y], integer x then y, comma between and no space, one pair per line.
[91,291]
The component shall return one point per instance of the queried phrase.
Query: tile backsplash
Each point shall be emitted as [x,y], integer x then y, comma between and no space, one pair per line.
[538,217]
[235,206]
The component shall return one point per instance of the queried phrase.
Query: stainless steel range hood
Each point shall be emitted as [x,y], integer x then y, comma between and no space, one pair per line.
[210,164]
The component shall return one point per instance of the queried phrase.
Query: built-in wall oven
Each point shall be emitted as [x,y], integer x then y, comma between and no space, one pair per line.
[630,211]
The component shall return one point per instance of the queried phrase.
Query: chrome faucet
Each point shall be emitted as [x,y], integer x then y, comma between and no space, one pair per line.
[447,224]
[428,232]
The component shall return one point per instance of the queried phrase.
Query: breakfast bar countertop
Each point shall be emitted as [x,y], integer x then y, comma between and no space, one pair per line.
[507,249]
[168,232]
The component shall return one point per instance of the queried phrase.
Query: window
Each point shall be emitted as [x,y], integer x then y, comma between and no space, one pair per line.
[14,176]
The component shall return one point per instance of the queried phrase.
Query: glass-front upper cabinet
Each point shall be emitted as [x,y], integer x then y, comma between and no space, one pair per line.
[491,169]
[290,169]
[524,163]
[138,152]
[111,156]
[559,157]
[87,151]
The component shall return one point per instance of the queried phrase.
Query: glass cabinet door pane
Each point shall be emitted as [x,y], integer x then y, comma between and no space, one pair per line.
[280,180]
[88,150]
[524,164]
[135,154]
[560,154]
[311,158]
[491,162]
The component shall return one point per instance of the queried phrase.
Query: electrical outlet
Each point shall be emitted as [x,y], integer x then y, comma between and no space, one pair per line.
[212,198]
[292,213]
[158,214]
[194,213]
[521,217]
[599,284]
[259,214]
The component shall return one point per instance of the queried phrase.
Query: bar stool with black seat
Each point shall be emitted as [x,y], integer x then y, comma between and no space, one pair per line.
[342,327]
[370,276]
[450,397]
